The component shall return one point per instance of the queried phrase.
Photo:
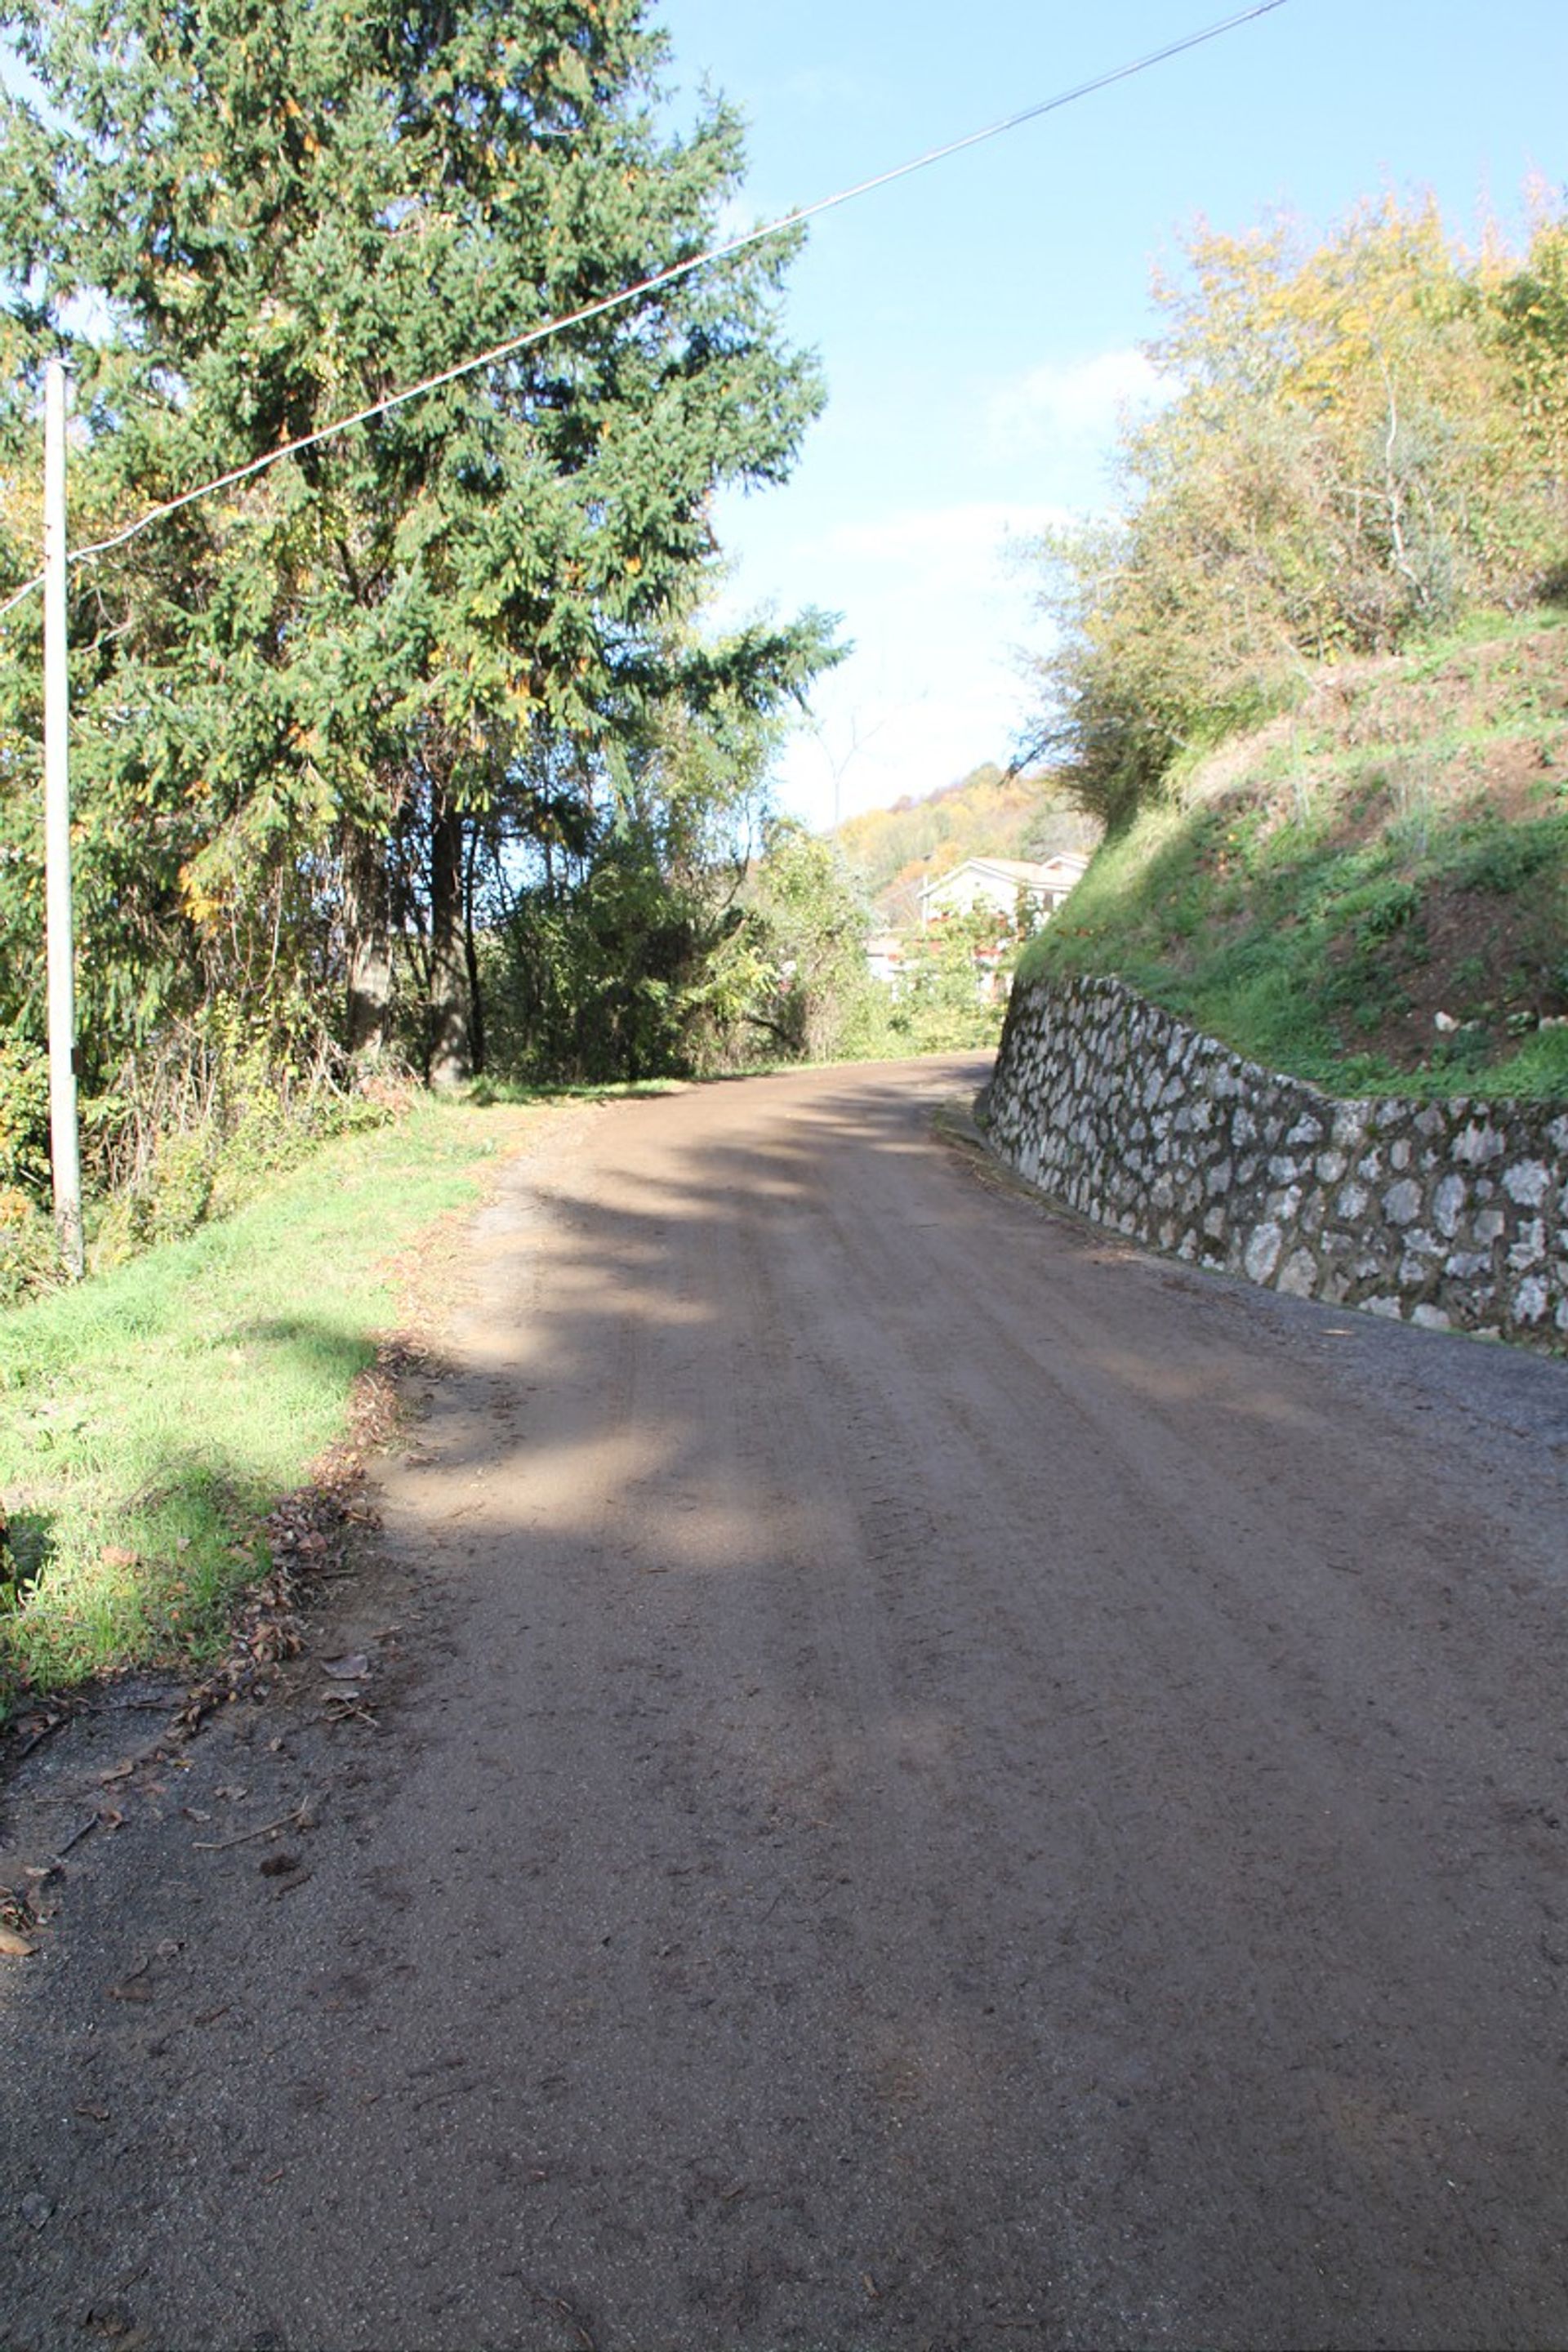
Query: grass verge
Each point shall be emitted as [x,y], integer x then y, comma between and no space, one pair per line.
[151,1416]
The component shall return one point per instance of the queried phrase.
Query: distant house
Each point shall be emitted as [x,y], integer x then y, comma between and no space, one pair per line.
[1008,885]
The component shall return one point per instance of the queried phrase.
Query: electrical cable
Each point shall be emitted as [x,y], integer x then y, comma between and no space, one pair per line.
[650,285]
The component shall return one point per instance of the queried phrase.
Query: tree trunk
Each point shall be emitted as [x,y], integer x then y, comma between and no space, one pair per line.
[367,944]
[451,1063]
[471,962]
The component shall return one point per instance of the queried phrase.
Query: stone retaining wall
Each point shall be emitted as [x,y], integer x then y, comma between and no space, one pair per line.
[1446,1213]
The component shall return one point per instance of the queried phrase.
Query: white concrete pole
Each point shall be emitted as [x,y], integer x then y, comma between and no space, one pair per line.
[64,1148]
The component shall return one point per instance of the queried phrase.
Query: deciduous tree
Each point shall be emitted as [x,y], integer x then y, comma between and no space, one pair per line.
[1366,437]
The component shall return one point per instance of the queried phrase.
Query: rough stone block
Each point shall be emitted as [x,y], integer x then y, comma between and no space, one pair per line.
[1402,1202]
[1262,1253]
[1449,1205]
[1529,1248]
[1531,1299]
[1298,1274]
[1528,1182]
[1477,1146]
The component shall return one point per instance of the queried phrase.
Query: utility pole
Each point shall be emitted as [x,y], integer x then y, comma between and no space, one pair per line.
[65,1153]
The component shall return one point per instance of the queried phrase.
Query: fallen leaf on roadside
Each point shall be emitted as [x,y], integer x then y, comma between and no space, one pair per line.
[117,1555]
[14,1946]
[119,1772]
[109,1817]
[92,2114]
[346,1670]
[278,1865]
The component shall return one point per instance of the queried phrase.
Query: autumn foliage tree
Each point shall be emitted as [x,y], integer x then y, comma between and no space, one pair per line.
[1365,438]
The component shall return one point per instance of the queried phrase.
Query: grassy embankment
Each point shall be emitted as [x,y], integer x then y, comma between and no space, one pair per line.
[1371,891]
[150,1416]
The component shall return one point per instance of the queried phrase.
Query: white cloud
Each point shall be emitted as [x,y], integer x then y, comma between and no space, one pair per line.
[962,547]
[885,725]
[1074,403]
[935,602]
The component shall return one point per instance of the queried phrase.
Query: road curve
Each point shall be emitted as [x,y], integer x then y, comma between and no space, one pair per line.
[963,1786]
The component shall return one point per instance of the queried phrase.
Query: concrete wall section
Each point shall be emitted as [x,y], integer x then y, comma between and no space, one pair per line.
[1453,1214]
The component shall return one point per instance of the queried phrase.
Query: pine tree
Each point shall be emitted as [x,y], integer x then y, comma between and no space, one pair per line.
[247,218]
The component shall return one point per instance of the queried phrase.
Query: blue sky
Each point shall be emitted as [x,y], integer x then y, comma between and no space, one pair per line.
[979,323]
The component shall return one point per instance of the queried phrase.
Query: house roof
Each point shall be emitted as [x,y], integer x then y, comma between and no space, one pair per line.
[1023,873]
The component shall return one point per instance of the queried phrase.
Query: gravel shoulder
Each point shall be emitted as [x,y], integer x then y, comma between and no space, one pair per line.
[935,1781]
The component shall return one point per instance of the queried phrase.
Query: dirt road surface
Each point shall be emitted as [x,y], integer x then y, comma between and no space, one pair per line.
[940,1783]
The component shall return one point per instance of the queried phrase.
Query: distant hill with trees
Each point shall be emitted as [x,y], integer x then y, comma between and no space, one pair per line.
[991,813]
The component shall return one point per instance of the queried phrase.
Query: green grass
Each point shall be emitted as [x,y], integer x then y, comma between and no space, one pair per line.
[1314,903]
[150,1416]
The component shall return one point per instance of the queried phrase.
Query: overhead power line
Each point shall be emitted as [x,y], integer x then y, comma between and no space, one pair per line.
[652,285]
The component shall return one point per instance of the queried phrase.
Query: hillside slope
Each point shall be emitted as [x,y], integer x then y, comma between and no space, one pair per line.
[1370,891]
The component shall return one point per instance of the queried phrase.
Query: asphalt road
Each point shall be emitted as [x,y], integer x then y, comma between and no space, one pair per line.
[940,1781]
